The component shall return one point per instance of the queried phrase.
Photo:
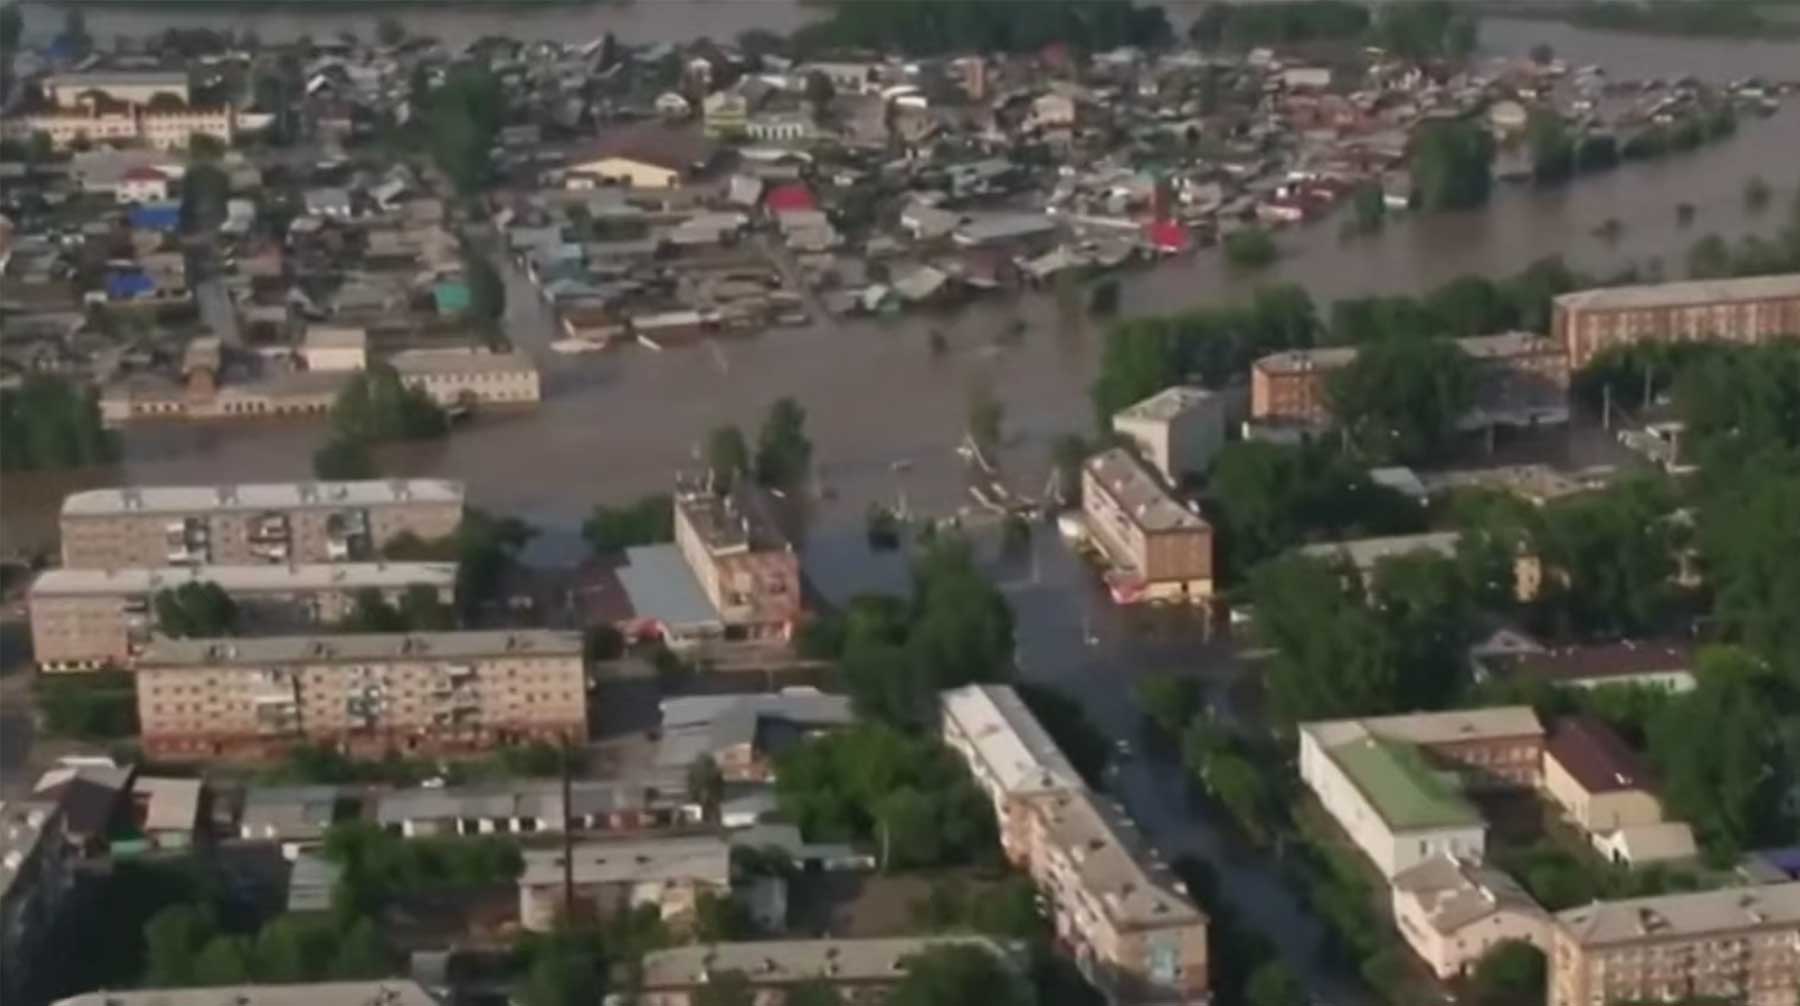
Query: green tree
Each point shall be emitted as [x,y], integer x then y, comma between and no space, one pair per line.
[1709,258]
[958,975]
[783,452]
[461,119]
[1170,700]
[1265,498]
[1067,722]
[376,406]
[1756,194]
[48,423]
[487,291]
[814,992]
[1510,973]
[204,192]
[225,960]
[1552,148]
[1451,165]
[1369,206]
[721,919]
[564,971]
[344,460]
[1400,399]
[1251,248]
[389,31]
[173,938]
[727,456]
[197,609]
[93,707]
[706,785]
[1274,984]
[819,92]
[361,954]
[1609,559]
[290,948]
[647,521]
[725,988]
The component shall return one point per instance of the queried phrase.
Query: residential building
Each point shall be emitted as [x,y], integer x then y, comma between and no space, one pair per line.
[132,87]
[669,873]
[142,184]
[532,806]
[1734,944]
[231,525]
[1011,756]
[1116,907]
[166,810]
[1665,664]
[82,619]
[335,348]
[461,380]
[34,878]
[295,816]
[1453,911]
[1290,386]
[1396,783]
[861,971]
[109,122]
[1604,788]
[386,992]
[366,694]
[1364,554]
[744,733]
[744,561]
[1177,430]
[1589,322]
[724,113]
[1159,550]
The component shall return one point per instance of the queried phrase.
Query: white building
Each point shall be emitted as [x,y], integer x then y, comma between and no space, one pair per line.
[1178,430]
[1453,911]
[455,379]
[335,347]
[142,185]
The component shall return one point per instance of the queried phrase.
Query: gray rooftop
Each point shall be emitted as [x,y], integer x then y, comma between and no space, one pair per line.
[388,992]
[1686,293]
[705,858]
[541,799]
[1166,404]
[1364,553]
[1455,893]
[1009,740]
[260,651]
[1322,358]
[698,725]
[1139,494]
[660,585]
[1115,865]
[416,361]
[1684,916]
[781,962]
[1449,726]
[288,812]
[185,500]
[244,579]
[1507,344]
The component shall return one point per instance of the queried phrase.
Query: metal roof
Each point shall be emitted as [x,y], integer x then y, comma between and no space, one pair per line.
[783,962]
[260,496]
[244,579]
[1683,294]
[660,586]
[257,651]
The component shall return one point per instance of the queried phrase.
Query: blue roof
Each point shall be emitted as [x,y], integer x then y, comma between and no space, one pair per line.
[156,216]
[128,285]
[660,586]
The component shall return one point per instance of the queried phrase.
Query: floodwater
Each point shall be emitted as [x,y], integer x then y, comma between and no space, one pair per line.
[883,411]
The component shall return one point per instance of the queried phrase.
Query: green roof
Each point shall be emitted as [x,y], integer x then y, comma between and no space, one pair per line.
[1406,792]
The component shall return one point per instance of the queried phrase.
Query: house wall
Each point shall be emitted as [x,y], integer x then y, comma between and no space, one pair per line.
[1588,332]
[1598,812]
[1390,852]
[1750,965]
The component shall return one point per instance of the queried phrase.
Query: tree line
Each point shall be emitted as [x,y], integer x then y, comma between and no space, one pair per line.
[49,423]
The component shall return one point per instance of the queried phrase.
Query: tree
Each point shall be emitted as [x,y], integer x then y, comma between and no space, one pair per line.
[1265,498]
[389,31]
[783,452]
[1274,984]
[290,948]
[49,423]
[74,40]
[819,92]
[1451,165]
[647,521]
[1543,54]
[1369,206]
[1400,399]
[93,707]
[1552,148]
[225,960]
[958,975]
[196,609]
[1068,724]
[727,456]
[1709,258]
[362,954]
[1170,700]
[1251,248]
[172,939]
[706,785]
[487,292]
[461,120]
[1103,300]
[376,405]
[814,992]
[721,919]
[1609,560]
[343,460]
[1510,973]
[1756,194]
[564,971]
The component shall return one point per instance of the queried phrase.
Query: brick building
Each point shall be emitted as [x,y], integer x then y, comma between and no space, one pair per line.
[1158,549]
[368,694]
[1752,310]
[745,563]
[242,525]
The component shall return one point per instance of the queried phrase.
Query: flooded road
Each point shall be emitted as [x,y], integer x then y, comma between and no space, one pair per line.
[884,412]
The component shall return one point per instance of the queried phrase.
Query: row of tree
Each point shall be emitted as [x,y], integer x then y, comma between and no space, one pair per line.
[1414,30]
[375,406]
[49,423]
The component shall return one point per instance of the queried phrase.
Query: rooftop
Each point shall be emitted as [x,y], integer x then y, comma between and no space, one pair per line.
[245,579]
[1507,344]
[1321,358]
[261,651]
[1137,493]
[704,858]
[1166,404]
[661,586]
[1685,293]
[1456,893]
[1622,659]
[428,361]
[738,521]
[1365,553]
[1691,915]
[22,825]
[289,812]
[772,962]
[170,804]
[698,725]
[387,992]
[1595,756]
[541,799]
[1115,865]
[1009,739]
[1447,727]
[1406,792]
[259,496]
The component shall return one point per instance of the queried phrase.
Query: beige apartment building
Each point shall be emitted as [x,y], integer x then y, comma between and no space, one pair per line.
[1291,386]
[459,379]
[85,619]
[745,564]
[1159,550]
[1753,310]
[1117,908]
[243,525]
[862,972]
[1736,944]
[1013,759]
[1177,430]
[364,694]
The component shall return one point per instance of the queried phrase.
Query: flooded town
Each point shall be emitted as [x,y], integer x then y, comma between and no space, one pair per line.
[726,502]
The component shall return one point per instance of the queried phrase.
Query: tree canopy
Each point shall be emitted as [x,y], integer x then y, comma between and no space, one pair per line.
[49,423]
[1451,164]
[647,521]
[959,975]
[783,452]
[1401,398]
[197,609]
[376,406]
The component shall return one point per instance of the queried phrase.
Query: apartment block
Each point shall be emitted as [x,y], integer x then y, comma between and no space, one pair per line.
[1117,908]
[1177,430]
[1589,322]
[1396,784]
[34,879]
[365,694]
[1453,911]
[1011,756]
[861,971]
[1290,387]
[85,619]
[668,873]
[242,525]
[386,992]
[1158,549]
[745,564]
[1736,944]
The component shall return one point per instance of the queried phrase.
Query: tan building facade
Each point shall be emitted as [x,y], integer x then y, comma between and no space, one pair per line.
[364,694]
[1453,911]
[1600,783]
[86,619]
[745,564]
[1736,944]
[1291,386]
[456,380]
[1752,310]
[669,874]
[1159,550]
[242,525]
[1011,756]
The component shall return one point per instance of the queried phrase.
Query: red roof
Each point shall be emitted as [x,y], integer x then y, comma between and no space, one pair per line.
[1168,235]
[142,173]
[790,197]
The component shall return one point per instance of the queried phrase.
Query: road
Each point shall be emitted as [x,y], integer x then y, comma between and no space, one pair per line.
[1059,608]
